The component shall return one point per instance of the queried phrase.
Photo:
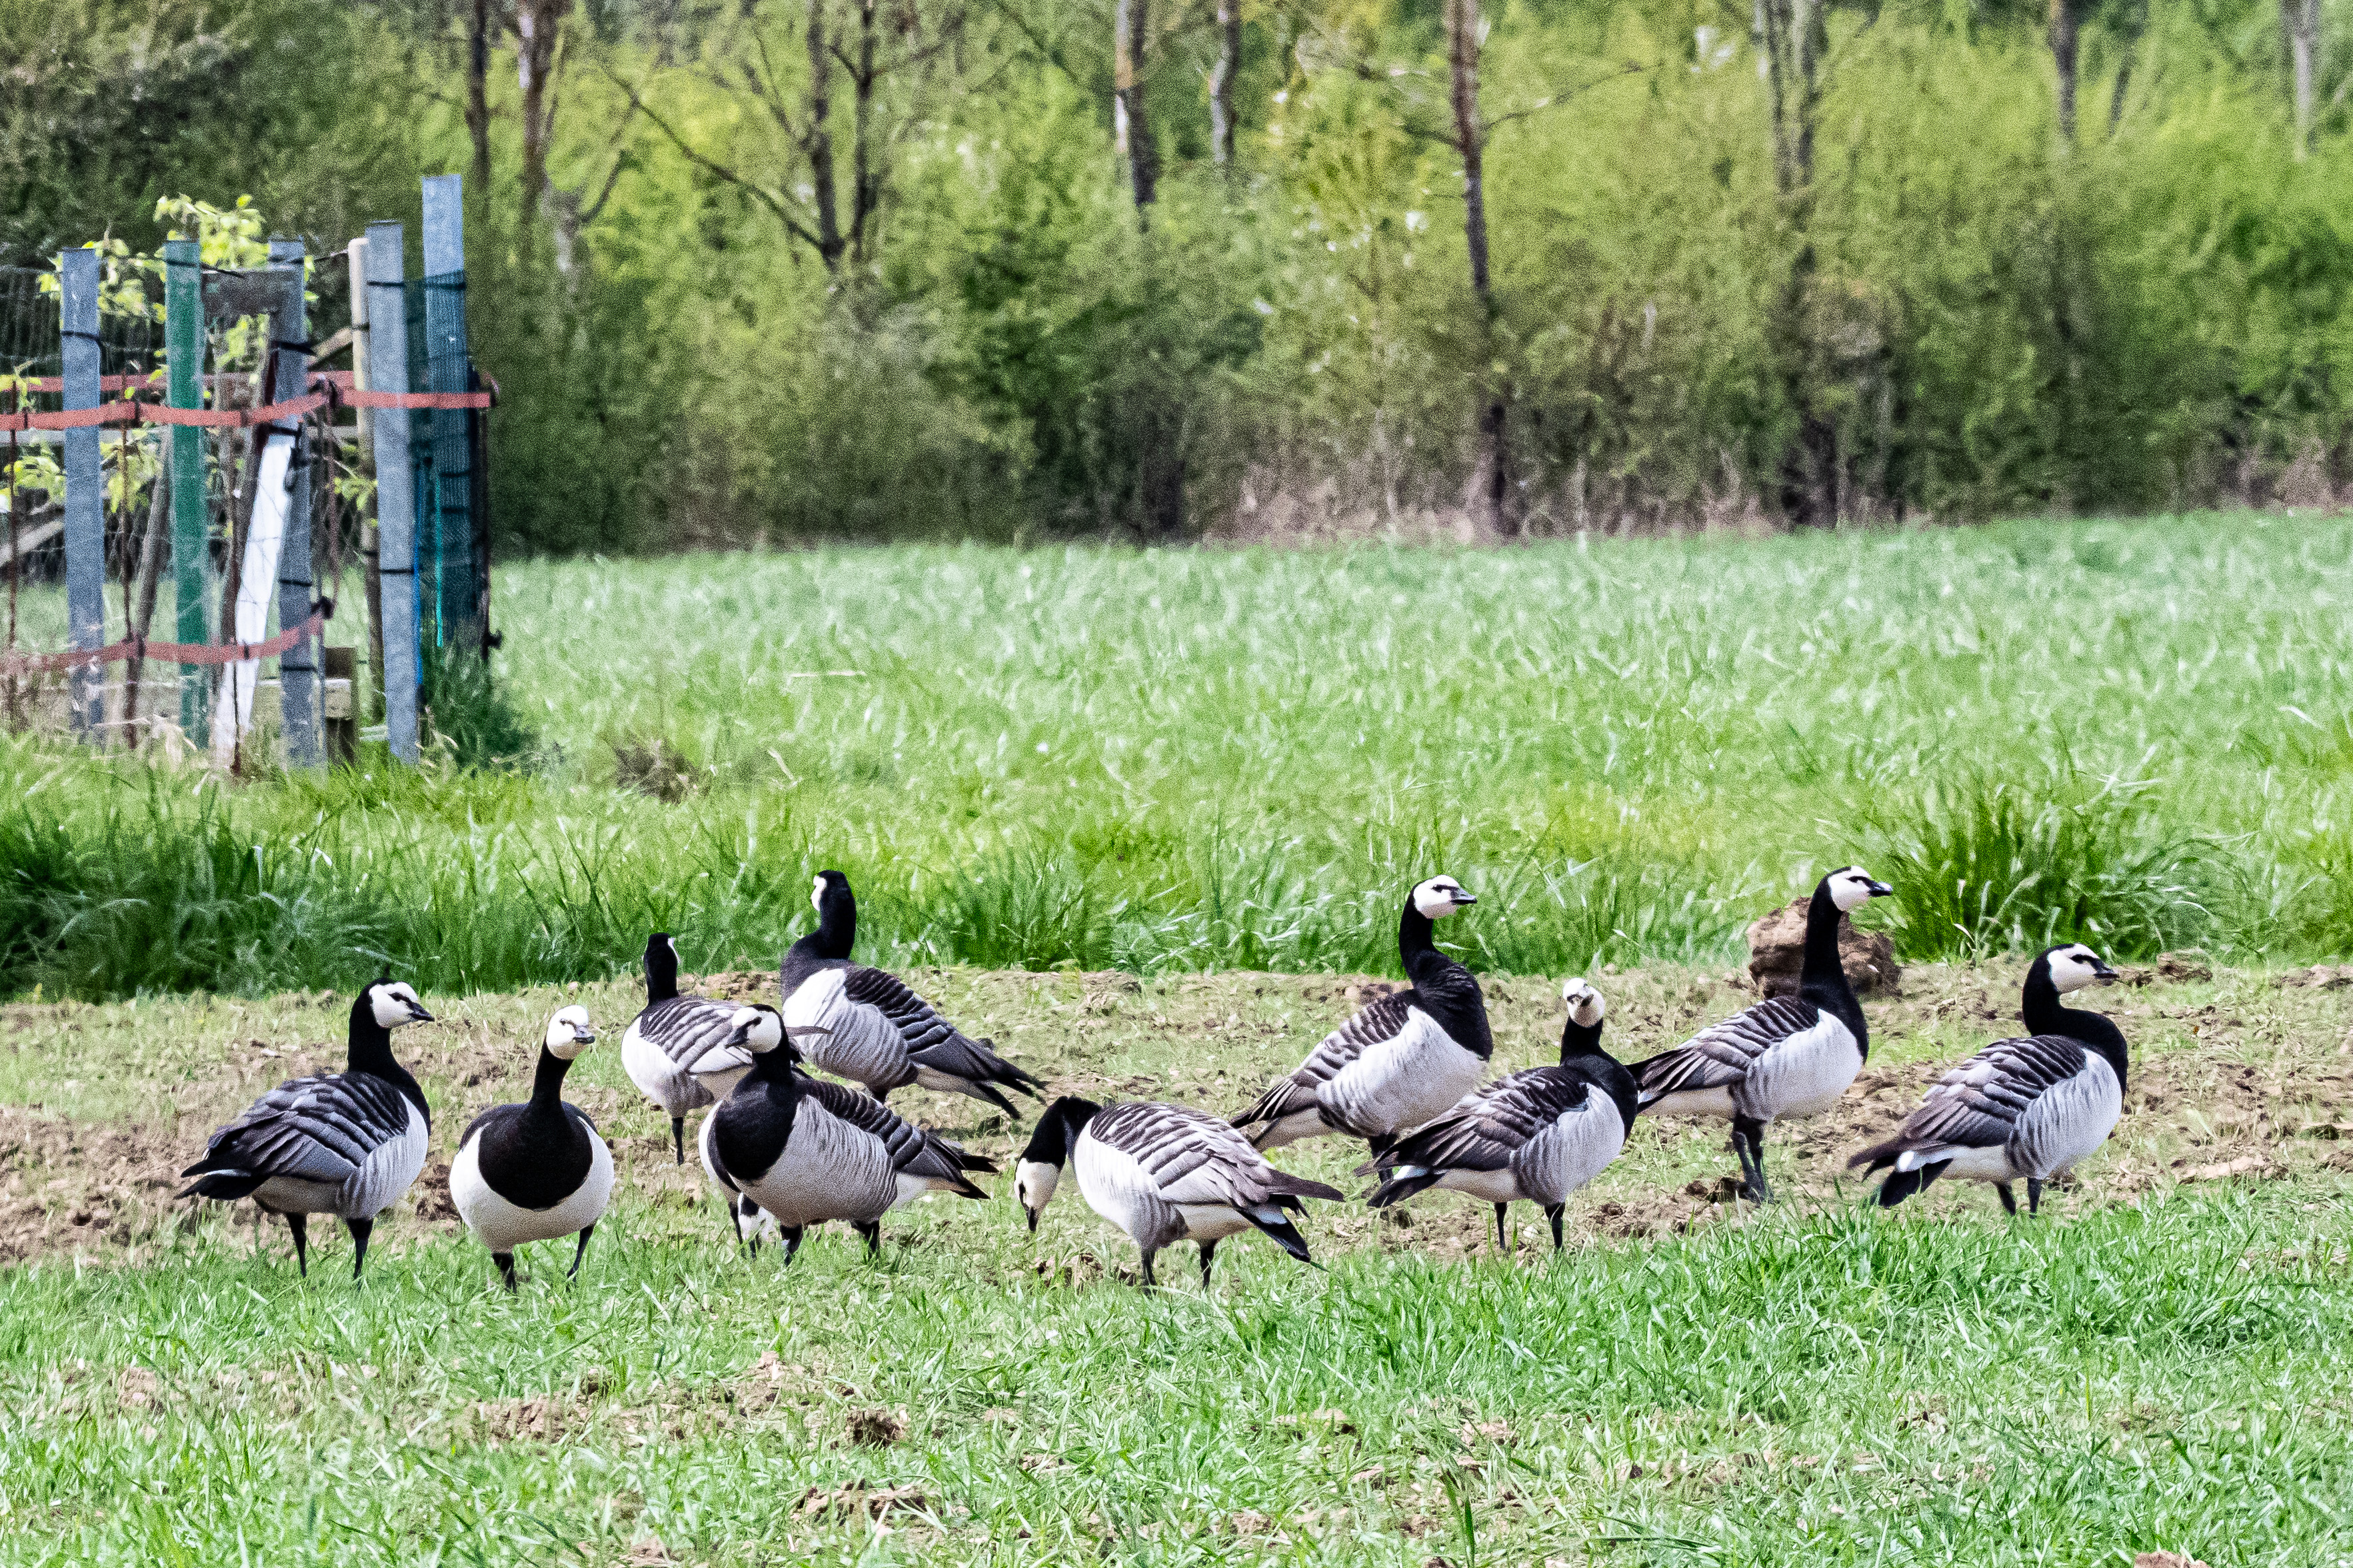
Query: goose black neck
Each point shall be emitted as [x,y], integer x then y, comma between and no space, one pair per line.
[2044,1014]
[1417,935]
[1580,1040]
[661,971]
[547,1085]
[369,1051]
[1057,1130]
[1822,978]
[837,921]
[1445,990]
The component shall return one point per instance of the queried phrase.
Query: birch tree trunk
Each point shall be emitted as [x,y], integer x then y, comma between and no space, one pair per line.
[1492,486]
[1792,37]
[1221,83]
[2301,19]
[2066,28]
[539,25]
[1131,130]
[478,94]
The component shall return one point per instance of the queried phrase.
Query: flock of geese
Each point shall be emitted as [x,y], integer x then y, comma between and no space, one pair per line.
[1407,1074]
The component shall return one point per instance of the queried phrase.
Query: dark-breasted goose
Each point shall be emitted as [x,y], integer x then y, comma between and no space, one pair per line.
[537,1170]
[2027,1107]
[865,1025]
[1786,1057]
[677,1050]
[807,1150]
[1163,1174]
[1536,1135]
[346,1144]
[1403,1059]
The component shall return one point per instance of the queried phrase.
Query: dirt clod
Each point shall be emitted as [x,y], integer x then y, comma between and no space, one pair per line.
[876,1429]
[1777,949]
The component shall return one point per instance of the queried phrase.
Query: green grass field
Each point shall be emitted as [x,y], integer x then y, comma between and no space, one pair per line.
[2159,1363]
[1195,760]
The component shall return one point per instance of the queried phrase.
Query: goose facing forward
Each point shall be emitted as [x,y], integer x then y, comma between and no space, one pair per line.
[346,1144]
[1163,1174]
[866,1025]
[1786,1057]
[2026,1107]
[1535,1136]
[537,1170]
[1406,1059]
[807,1150]
[677,1050]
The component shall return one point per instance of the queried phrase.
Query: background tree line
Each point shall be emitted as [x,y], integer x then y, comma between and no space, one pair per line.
[771,269]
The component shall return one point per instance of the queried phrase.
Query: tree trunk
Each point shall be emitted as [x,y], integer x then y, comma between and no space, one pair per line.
[2302,20]
[151,550]
[539,23]
[824,197]
[1792,37]
[478,94]
[1131,130]
[1221,83]
[865,180]
[1492,483]
[2066,24]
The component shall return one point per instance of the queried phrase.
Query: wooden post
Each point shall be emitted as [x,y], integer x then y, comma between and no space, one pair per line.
[85,492]
[396,505]
[184,340]
[371,586]
[298,666]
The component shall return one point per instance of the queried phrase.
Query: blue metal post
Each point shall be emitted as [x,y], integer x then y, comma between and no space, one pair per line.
[456,615]
[85,492]
[395,499]
[298,666]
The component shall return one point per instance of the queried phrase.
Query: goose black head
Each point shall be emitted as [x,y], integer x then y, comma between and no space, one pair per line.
[1040,1170]
[568,1033]
[2074,966]
[760,1029]
[1851,887]
[1440,897]
[390,1003]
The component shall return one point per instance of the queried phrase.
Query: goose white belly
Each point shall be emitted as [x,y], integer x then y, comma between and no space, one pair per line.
[2069,1120]
[1119,1189]
[661,1079]
[1210,1222]
[827,1170]
[1802,1074]
[1495,1186]
[387,1171]
[501,1226]
[1417,1075]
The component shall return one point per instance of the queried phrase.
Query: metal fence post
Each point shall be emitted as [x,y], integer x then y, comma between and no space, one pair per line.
[184,347]
[396,505]
[298,666]
[457,612]
[85,491]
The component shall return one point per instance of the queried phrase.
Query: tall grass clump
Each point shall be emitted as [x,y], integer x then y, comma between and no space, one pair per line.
[1982,864]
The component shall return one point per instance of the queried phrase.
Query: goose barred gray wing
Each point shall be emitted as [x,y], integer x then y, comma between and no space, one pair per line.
[331,1129]
[693,1033]
[1192,1157]
[1989,1100]
[1722,1054]
[914,1151]
[1383,1019]
[932,1041]
[1491,1128]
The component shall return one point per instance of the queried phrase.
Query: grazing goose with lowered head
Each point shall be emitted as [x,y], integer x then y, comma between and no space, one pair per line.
[867,1026]
[537,1170]
[1163,1174]
[807,1151]
[677,1050]
[1786,1057]
[2028,1107]
[1406,1059]
[346,1144]
[1535,1136]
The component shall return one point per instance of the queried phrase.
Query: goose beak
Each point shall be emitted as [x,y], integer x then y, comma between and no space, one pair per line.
[418,1015]
[1880,891]
[584,1037]
[1464,898]
[2102,973]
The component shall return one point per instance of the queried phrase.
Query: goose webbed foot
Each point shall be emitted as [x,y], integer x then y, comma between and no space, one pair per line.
[361,1230]
[580,1252]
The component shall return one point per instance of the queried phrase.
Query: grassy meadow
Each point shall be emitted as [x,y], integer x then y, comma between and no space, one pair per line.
[2135,733]
[2158,1364]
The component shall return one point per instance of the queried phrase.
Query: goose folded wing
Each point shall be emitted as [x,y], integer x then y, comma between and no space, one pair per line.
[315,1128]
[1723,1054]
[914,1151]
[694,1032]
[1978,1104]
[1192,1157]
[918,1022]
[1382,1020]
[1490,1129]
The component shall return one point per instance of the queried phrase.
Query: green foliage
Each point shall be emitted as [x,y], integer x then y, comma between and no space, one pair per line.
[472,713]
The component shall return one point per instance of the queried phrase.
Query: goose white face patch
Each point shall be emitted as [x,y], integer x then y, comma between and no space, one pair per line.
[569,1034]
[763,1028]
[817,894]
[394,1004]
[2073,968]
[1034,1183]
[1851,889]
[1586,1006]
[1440,897]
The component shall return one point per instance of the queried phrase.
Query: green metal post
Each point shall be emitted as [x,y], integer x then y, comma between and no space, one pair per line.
[183,343]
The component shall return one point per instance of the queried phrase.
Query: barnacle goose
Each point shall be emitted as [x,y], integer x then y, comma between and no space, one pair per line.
[537,1170]
[1536,1135]
[677,1050]
[807,1150]
[2028,1107]
[1787,1056]
[346,1144]
[1163,1174]
[1403,1059]
[865,1024]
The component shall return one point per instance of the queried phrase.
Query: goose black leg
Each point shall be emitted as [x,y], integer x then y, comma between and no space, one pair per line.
[1503,1241]
[1553,1213]
[505,1261]
[1749,1139]
[2034,1194]
[361,1229]
[873,1235]
[1148,1279]
[580,1252]
[1208,1251]
[2009,1198]
[678,1137]
[791,1242]
[300,1224]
